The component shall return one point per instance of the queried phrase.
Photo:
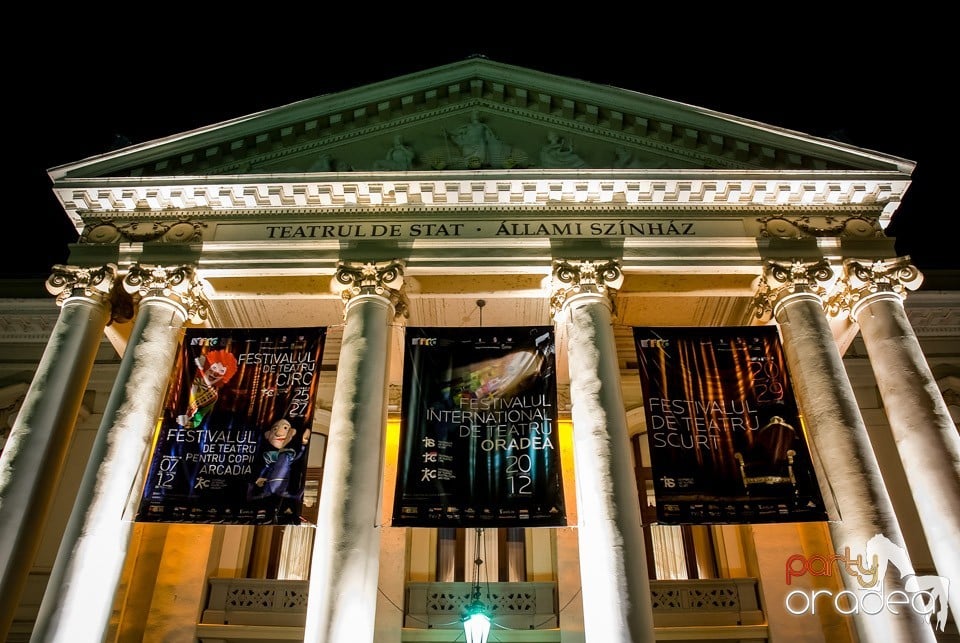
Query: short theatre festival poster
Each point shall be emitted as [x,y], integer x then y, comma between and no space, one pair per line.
[232,443]
[478,429]
[727,443]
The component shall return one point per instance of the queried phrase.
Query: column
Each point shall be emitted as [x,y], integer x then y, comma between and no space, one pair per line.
[84,579]
[613,571]
[926,437]
[342,604]
[839,436]
[36,452]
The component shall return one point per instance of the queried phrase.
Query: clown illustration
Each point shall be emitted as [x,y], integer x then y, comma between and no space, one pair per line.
[214,370]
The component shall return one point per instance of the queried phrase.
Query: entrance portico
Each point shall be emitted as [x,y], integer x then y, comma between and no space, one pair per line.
[281,214]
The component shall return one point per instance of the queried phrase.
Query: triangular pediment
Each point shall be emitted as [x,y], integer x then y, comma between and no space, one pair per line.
[474,115]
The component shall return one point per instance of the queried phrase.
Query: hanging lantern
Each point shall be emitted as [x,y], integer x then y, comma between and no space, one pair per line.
[476,620]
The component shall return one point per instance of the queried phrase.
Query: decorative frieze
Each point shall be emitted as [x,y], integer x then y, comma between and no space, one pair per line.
[21,323]
[104,206]
[934,313]
[780,280]
[384,278]
[180,284]
[110,231]
[784,226]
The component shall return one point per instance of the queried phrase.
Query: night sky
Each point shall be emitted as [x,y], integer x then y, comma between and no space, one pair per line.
[78,101]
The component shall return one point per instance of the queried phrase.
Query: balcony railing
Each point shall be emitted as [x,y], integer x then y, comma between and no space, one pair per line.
[682,610]
[721,601]
[518,606]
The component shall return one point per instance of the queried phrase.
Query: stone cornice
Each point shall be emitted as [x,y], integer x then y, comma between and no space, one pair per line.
[170,197]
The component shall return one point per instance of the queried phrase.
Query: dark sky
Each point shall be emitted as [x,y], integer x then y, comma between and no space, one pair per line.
[78,100]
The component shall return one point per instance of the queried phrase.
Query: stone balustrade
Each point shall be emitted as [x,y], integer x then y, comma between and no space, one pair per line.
[709,609]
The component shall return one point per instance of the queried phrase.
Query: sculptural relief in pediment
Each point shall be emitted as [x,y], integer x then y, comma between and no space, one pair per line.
[473,146]
[476,115]
[479,141]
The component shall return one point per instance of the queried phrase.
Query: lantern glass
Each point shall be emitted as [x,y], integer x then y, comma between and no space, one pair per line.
[476,627]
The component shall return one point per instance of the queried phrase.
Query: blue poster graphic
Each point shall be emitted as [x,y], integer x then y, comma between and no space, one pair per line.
[478,429]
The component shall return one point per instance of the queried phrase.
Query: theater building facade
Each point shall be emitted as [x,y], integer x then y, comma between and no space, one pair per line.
[479,195]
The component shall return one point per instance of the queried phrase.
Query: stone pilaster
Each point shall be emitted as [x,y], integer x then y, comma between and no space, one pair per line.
[872,292]
[616,588]
[794,293]
[36,452]
[84,579]
[345,566]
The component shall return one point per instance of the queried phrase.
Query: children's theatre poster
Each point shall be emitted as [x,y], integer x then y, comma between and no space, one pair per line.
[232,442]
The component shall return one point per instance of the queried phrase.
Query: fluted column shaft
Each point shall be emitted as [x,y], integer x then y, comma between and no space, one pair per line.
[36,452]
[342,602]
[842,443]
[614,579]
[79,597]
[926,437]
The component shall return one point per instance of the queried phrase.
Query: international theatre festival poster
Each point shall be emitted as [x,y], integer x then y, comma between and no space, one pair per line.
[727,443]
[478,429]
[232,443]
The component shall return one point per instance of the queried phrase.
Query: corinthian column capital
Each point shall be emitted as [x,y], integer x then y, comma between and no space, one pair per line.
[179,284]
[94,284]
[582,277]
[383,278]
[780,281]
[864,279]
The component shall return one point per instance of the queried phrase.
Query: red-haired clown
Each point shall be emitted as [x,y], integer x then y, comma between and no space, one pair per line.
[214,370]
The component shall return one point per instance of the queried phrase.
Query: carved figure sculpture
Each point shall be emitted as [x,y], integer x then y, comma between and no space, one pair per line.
[558,153]
[476,140]
[626,159]
[399,157]
[473,146]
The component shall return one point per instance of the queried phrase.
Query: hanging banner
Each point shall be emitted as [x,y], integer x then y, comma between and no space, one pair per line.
[478,430]
[232,443]
[727,444]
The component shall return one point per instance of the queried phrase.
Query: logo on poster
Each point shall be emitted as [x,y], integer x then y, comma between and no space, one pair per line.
[654,343]
[925,595]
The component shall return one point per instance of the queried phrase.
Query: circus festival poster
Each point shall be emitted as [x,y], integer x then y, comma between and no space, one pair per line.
[232,441]
[727,441]
[478,429]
